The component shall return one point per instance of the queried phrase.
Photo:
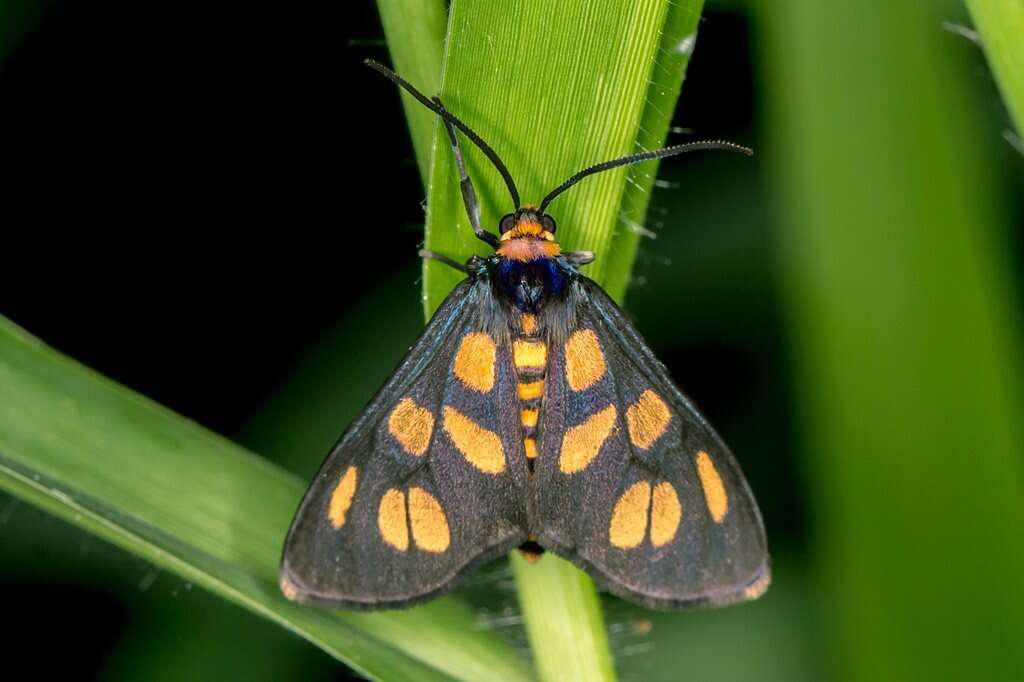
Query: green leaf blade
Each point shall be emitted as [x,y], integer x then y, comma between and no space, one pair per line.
[555,88]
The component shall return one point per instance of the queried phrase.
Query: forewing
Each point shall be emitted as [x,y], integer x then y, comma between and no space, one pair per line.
[427,483]
[632,483]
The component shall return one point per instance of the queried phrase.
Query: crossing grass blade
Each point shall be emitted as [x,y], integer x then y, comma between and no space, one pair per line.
[127,469]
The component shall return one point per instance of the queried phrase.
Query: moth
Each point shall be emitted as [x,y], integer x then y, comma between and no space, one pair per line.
[530,414]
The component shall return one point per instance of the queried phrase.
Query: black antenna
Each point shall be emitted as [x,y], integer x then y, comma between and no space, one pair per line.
[451,118]
[643,156]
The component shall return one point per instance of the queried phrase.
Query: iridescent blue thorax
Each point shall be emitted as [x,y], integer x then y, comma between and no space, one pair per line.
[528,285]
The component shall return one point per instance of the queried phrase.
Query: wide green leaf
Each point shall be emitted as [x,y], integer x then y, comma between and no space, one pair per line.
[893,251]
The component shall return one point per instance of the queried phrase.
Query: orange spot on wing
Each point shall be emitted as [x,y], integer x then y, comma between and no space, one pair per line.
[666,512]
[481,447]
[584,361]
[581,443]
[429,525]
[474,363]
[647,419]
[530,445]
[391,519]
[714,491]
[529,418]
[411,425]
[629,517]
[528,323]
[341,498]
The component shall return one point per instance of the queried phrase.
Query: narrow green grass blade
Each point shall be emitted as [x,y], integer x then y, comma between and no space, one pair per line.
[555,87]
[564,620]
[125,468]
[1001,26]
[415,33]
[894,256]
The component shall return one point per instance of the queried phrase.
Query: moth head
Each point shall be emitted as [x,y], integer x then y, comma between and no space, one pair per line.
[527,235]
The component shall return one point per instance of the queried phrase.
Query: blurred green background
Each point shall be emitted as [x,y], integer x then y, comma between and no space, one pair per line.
[845,308]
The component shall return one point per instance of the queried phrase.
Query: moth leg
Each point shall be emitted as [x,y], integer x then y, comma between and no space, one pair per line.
[441,258]
[466,185]
[577,258]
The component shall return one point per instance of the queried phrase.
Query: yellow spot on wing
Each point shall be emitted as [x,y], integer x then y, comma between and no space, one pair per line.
[474,363]
[528,354]
[529,391]
[666,512]
[629,517]
[530,445]
[714,492]
[341,498]
[647,419]
[411,425]
[529,418]
[429,525]
[581,443]
[481,447]
[391,519]
[584,361]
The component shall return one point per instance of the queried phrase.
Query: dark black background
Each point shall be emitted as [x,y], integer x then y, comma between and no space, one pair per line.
[206,184]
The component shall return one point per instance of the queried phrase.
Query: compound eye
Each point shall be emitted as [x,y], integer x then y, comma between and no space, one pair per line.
[507,223]
[548,223]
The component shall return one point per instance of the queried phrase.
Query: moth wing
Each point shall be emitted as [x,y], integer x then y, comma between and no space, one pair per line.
[632,483]
[397,513]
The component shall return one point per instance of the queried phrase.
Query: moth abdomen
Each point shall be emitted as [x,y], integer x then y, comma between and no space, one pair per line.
[530,358]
